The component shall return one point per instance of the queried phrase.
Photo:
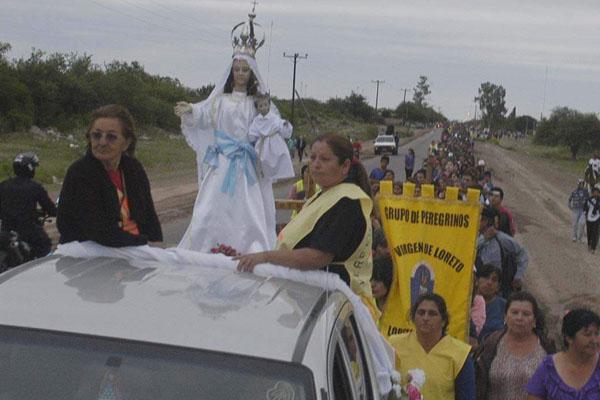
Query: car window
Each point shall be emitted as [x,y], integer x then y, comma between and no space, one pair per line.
[354,362]
[46,365]
[342,384]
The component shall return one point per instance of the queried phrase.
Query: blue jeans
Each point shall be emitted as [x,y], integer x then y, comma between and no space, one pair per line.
[578,223]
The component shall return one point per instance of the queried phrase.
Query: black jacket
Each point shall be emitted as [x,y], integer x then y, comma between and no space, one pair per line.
[89,207]
[19,197]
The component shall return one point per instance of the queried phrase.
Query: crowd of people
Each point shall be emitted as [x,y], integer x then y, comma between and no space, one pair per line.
[508,336]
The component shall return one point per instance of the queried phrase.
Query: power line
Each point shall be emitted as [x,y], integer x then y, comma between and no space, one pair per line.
[190,17]
[193,28]
[143,21]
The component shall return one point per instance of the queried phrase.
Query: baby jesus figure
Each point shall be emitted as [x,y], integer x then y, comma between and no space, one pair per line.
[269,131]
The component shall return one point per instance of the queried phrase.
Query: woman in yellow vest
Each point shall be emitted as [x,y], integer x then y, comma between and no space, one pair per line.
[299,190]
[448,367]
[333,229]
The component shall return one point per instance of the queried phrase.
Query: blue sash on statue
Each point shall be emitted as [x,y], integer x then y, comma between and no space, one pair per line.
[237,151]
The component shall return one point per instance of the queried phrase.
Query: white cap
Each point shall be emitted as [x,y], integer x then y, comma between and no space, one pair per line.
[481,163]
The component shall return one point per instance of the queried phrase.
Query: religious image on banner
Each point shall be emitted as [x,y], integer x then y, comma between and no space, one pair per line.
[421,281]
[432,244]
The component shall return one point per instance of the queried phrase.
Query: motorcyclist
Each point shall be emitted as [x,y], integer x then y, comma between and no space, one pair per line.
[19,198]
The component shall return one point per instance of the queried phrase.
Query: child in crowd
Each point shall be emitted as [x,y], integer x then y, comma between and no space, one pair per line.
[268,130]
[381,279]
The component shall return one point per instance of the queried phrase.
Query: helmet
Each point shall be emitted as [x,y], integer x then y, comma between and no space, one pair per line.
[24,164]
[481,163]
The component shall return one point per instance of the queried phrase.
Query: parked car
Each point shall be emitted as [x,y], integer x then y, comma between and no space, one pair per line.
[385,144]
[105,328]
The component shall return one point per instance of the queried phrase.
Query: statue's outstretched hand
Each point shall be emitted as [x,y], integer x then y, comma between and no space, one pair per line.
[182,108]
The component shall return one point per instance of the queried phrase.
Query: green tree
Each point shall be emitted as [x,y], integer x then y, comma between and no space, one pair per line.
[491,103]
[16,107]
[354,105]
[4,48]
[525,123]
[358,106]
[421,91]
[386,112]
[569,128]
[411,112]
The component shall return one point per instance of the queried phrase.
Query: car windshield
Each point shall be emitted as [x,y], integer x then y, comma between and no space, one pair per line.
[48,365]
[386,139]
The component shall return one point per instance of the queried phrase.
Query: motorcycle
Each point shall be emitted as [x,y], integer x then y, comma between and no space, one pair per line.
[15,251]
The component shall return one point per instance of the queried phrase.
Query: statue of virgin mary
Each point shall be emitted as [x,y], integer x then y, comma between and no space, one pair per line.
[235,205]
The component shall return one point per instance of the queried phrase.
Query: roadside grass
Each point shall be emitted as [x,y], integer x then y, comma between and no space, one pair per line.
[56,154]
[558,155]
[345,127]
[161,153]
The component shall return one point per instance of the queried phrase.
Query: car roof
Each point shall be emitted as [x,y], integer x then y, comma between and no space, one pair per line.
[190,306]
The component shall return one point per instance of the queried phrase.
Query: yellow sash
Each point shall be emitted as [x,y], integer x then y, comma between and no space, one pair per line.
[441,365]
[360,263]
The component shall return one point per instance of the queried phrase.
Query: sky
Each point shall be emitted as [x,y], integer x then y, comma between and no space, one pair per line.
[545,53]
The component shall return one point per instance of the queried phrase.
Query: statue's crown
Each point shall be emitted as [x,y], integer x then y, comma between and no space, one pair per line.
[243,37]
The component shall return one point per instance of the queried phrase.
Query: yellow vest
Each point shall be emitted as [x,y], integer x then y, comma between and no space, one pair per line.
[360,263]
[441,365]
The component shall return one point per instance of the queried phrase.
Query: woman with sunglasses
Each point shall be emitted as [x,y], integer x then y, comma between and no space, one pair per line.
[106,196]
[445,361]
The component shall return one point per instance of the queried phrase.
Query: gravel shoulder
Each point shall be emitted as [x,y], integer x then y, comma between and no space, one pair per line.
[561,273]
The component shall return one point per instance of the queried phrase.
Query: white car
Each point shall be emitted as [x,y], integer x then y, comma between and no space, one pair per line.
[385,144]
[112,329]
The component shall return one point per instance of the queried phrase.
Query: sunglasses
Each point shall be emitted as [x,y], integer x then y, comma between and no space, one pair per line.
[110,137]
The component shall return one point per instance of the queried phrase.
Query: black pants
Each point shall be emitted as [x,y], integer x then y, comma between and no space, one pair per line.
[592,233]
[408,173]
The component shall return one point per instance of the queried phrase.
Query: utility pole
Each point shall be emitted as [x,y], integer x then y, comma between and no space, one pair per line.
[404,102]
[544,100]
[377,93]
[295,56]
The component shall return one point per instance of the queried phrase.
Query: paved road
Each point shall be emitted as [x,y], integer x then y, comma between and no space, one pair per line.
[173,231]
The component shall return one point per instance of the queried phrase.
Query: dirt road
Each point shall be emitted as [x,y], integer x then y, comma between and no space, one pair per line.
[561,273]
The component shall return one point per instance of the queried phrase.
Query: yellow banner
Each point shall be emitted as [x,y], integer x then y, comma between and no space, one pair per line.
[432,243]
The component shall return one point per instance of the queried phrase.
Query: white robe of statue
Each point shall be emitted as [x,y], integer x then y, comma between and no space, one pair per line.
[244,215]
